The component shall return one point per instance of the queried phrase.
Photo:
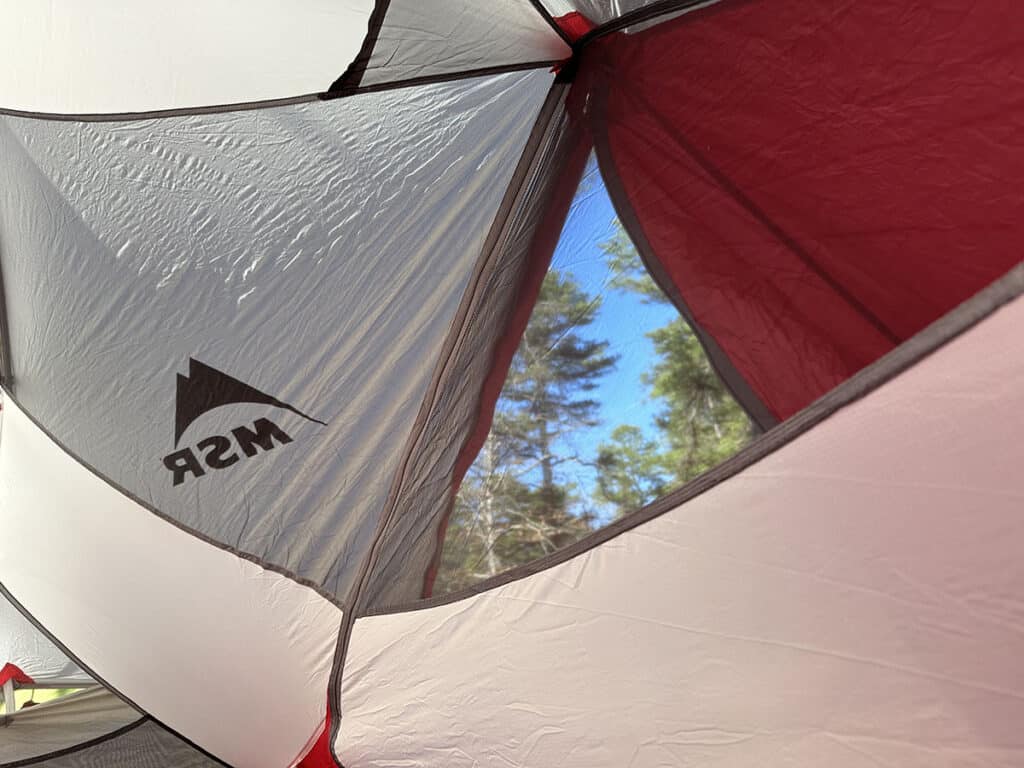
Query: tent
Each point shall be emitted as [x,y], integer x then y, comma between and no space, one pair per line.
[265,268]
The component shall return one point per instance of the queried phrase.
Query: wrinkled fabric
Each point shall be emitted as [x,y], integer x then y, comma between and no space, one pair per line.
[445,37]
[170,281]
[816,191]
[459,417]
[852,599]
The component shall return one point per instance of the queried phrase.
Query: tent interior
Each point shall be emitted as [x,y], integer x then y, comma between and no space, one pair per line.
[518,383]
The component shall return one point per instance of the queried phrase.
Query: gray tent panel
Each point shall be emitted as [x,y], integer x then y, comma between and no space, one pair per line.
[196,324]
[146,745]
[410,40]
[63,724]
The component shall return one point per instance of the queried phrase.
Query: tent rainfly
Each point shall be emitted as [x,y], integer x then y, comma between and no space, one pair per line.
[267,272]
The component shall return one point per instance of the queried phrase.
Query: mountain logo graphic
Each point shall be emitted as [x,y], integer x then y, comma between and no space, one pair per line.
[204,389]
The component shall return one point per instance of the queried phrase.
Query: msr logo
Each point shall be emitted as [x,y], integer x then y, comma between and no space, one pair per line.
[204,389]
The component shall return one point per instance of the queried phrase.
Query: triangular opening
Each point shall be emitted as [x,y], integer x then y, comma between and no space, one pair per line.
[610,402]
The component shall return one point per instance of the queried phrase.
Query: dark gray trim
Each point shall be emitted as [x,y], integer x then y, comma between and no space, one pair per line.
[247,106]
[67,652]
[463,317]
[353,74]
[78,747]
[465,74]
[153,114]
[179,525]
[741,391]
[864,382]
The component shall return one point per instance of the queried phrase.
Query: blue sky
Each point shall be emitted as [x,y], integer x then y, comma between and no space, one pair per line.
[623,321]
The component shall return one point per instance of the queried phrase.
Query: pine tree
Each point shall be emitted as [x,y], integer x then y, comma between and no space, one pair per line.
[700,423]
[514,504]
[632,470]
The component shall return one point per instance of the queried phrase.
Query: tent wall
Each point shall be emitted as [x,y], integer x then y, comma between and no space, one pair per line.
[191,634]
[317,253]
[816,190]
[121,56]
[851,599]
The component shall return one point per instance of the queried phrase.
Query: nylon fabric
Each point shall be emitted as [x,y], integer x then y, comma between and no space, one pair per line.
[66,56]
[184,623]
[62,724]
[310,259]
[826,606]
[148,746]
[446,37]
[824,196]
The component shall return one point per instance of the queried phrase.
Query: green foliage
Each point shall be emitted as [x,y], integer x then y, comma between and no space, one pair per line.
[632,470]
[515,503]
[513,506]
[700,422]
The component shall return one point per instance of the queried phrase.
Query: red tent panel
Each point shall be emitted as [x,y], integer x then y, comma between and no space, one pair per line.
[818,180]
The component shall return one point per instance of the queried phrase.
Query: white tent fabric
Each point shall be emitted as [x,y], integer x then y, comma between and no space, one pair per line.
[22,645]
[423,40]
[852,600]
[63,724]
[67,56]
[183,621]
